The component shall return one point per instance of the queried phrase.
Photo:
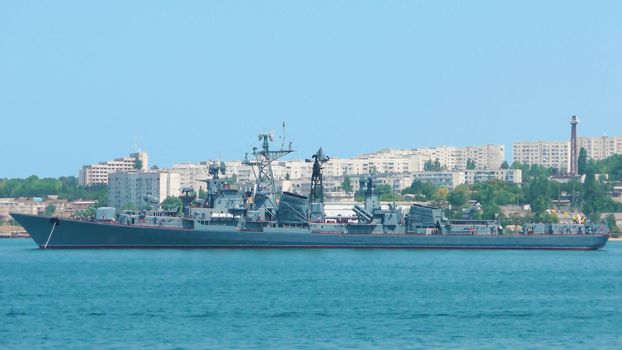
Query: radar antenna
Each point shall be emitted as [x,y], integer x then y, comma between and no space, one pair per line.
[317,188]
[215,168]
[283,137]
[265,195]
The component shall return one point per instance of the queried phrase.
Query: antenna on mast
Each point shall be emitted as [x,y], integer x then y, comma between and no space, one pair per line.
[265,195]
[283,137]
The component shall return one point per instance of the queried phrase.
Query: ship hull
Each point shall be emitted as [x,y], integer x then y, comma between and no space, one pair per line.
[64,233]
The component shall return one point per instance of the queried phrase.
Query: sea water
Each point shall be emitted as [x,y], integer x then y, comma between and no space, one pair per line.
[309,298]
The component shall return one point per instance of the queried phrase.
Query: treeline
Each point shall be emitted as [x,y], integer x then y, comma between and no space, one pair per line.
[66,187]
[592,197]
[611,166]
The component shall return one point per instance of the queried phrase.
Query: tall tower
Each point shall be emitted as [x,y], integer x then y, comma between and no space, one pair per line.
[317,188]
[264,195]
[574,164]
[316,195]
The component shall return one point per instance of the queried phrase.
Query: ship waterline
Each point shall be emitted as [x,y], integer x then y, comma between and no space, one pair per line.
[229,218]
[48,232]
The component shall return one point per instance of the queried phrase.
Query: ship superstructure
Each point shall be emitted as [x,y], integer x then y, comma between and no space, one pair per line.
[230,218]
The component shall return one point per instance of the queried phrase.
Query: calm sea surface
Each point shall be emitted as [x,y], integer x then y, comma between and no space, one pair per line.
[332,299]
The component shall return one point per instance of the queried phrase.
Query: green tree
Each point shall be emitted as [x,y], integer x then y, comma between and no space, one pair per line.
[386,193]
[516,165]
[421,189]
[346,184]
[611,223]
[582,161]
[138,164]
[548,218]
[86,213]
[66,187]
[428,165]
[505,165]
[437,165]
[459,196]
[595,197]
[491,211]
[537,192]
[439,198]
[611,166]
[50,209]
[592,194]
[129,206]
[470,164]
[172,203]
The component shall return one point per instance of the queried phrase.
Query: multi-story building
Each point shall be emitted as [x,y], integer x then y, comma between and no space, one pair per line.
[506,175]
[600,147]
[20,205]
[400,181]
[556,154]
[34,206]
[451,158]
[550,154]
[449,179]
[192,174]
[129,189]
[238,170]
[98,173]
[387,161]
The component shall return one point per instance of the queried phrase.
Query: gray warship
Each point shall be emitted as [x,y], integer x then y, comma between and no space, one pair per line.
[229,218]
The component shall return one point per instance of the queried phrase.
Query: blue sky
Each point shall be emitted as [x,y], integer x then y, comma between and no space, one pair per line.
[197,80]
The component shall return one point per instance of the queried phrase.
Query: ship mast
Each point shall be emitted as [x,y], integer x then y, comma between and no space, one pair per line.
[265,191]
[317,188]
[316,196]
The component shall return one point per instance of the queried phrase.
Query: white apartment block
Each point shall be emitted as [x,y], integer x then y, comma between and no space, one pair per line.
[130,188]
[98,173]
[451,158]
[550,154]
[556,154]
[600,147]
[243,173]
[400,181]
[383,162]
[448,179]
[506,175]
[387,161]
[192,174]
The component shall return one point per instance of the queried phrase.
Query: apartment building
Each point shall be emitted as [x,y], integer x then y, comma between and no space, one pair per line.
[550,154]
[98,173]
[451,158]
[129,188]
[400,181]
[506,175]
[600,147]
[192,174]
[556,154]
